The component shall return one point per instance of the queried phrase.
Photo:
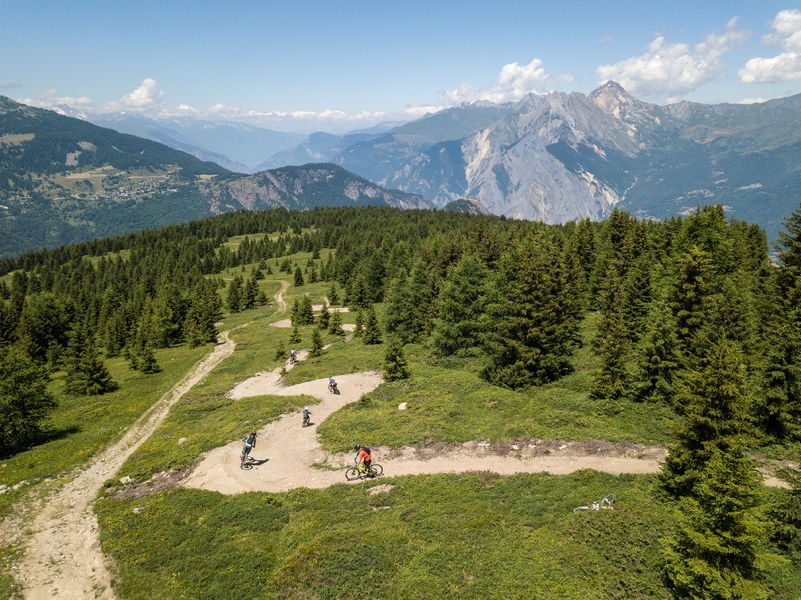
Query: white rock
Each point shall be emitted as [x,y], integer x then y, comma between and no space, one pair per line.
[563,446]
[138,509]
[403,405]
[182,440]
[515,447]
[126,480]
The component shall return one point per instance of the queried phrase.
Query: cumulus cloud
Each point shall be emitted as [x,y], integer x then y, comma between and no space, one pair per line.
[673,70]
[752,101]
[514,81]
[785,66]
[147,97]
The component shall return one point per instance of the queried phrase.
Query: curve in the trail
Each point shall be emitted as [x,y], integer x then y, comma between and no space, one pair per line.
[62,557]
[291,451]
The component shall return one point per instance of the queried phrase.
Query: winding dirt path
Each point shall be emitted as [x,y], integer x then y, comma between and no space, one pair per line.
[62,556]
[279,297]
[293,456]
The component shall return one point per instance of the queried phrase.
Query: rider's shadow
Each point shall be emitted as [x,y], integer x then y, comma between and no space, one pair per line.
[258,461]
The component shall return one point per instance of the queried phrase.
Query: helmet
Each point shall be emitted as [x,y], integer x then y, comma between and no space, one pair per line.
[305,408]
[252,433]
[357,447]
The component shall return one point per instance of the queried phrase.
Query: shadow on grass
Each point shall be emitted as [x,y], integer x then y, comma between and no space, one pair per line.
[43,437]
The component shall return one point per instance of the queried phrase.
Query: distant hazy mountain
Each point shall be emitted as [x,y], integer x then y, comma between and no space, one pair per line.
[64,179]
[318,147]
[237,146]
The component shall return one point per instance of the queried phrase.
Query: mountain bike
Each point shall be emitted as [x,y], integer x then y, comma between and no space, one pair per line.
[607,502]
[354,473]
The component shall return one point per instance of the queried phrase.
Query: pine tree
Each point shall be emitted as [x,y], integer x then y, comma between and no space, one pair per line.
[358,326]
[659,359]
[612,379]
[462,321]
[147,361]
[294,337]
[335,327]
[532,335]
[717,547]
[24,399]
[715,418]
[317,342]
[298,277]
[789,251]
[358,296]
[235,295]
[372,332]
[306,316]
[786,514]
[333,296]
[250,293]
[324,318]
[204,312]
[280,351]
[395,365]
[687,299]
[86,375]
[294,314]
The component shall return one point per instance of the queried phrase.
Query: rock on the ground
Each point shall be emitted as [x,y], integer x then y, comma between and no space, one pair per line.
[403,406]
[381,489]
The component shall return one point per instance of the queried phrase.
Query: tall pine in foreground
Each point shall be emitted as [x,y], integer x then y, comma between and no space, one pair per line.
[715,418]
[533,329]
[716,549]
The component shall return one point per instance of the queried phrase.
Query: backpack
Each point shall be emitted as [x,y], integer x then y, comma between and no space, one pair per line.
[366,449]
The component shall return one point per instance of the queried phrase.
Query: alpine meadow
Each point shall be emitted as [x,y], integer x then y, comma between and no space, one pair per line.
[414,301]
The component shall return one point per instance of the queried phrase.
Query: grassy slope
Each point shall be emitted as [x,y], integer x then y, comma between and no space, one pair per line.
[79,428]
[446,536]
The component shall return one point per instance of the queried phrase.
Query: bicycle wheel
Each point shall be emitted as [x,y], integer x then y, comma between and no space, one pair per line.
[352,474]
[376,470]
[246,464]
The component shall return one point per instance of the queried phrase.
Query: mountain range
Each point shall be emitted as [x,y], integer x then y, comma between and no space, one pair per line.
[554,157]
[63,179]
[559,157]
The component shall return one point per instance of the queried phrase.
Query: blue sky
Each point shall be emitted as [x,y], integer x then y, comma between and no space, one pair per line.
[339,65]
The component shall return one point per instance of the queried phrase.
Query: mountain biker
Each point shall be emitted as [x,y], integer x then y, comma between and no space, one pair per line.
[293,355]
[363,455]
[306,413]
[250,443]
[332,385]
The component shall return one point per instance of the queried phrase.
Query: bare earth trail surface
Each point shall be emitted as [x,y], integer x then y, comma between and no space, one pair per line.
[62,556]
[293,456]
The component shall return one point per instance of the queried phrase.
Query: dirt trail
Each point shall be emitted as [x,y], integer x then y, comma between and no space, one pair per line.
[62,556]
[279,297]
[291,452]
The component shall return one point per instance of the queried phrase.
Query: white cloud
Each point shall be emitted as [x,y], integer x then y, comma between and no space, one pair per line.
[607,39]
[514,82]
[673,70]
[566,77]
[147,97]
[63,105]
[752,100]
[785,66]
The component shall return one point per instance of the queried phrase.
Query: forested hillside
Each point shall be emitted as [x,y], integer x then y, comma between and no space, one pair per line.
[687,321]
